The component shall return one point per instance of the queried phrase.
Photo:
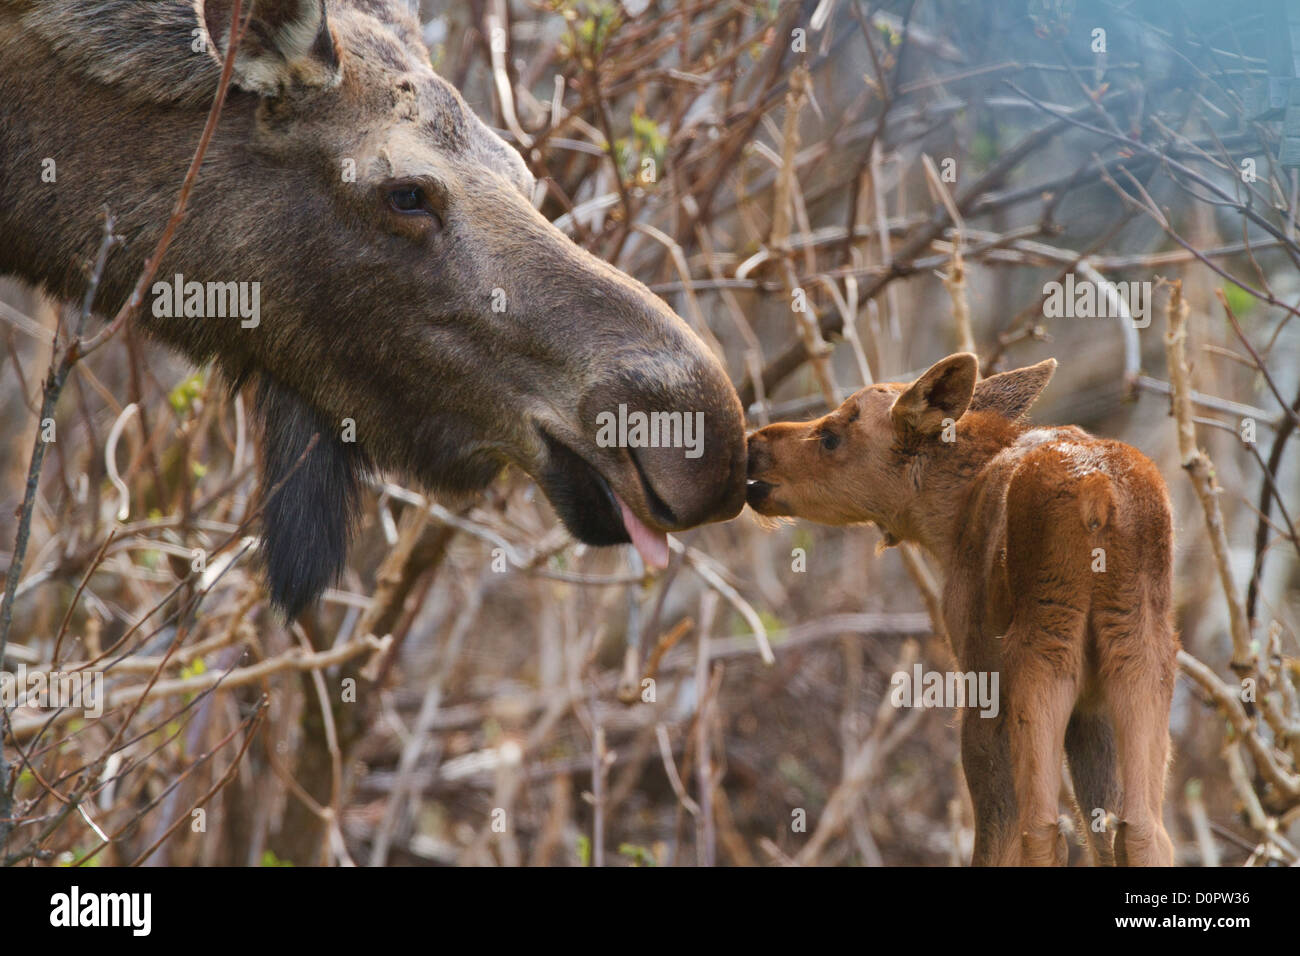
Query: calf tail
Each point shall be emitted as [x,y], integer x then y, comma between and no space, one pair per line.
[1096,501]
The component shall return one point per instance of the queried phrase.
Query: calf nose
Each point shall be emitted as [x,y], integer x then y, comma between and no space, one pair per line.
[758,457]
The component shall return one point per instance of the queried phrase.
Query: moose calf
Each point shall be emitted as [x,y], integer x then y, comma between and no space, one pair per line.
[1057,549]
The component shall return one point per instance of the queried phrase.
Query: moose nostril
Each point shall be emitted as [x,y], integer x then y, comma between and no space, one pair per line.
[659,509]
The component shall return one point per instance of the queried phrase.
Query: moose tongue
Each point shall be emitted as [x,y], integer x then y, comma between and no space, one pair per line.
[651,545]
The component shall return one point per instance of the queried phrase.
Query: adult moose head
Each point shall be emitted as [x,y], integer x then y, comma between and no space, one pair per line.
[405,280]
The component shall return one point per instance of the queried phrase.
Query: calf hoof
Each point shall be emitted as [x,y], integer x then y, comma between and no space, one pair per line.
[1064,827]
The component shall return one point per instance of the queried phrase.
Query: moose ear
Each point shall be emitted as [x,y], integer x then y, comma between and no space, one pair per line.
[942,392]
[1011,393]
[310,501]
[286,44]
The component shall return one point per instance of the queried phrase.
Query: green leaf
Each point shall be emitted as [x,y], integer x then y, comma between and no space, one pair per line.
[1239,300]
[803,538]
[181,398]
[639,855]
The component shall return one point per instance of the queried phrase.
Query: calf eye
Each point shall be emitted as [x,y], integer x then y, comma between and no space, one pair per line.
[830,441]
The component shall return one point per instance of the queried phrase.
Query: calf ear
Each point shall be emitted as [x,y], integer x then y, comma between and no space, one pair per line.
[1011,393]
[310,506]
[286,44]
[943,392]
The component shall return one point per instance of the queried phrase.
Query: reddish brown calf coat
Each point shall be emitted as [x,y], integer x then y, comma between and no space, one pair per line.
[1057,549]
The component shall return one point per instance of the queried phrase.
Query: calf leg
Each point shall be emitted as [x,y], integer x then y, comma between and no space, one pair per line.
[985,762]
[1139,701]
[1090,748]
[1041,667]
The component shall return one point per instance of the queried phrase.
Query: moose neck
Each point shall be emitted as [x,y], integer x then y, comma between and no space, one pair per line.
[100,155]
[950,475]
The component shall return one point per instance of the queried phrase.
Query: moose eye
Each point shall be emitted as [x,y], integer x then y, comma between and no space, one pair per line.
[408,199]
[830,441]
[416,205]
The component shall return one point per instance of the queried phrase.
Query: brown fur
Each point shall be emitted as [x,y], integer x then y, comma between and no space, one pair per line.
[1013,514]
[367,313]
